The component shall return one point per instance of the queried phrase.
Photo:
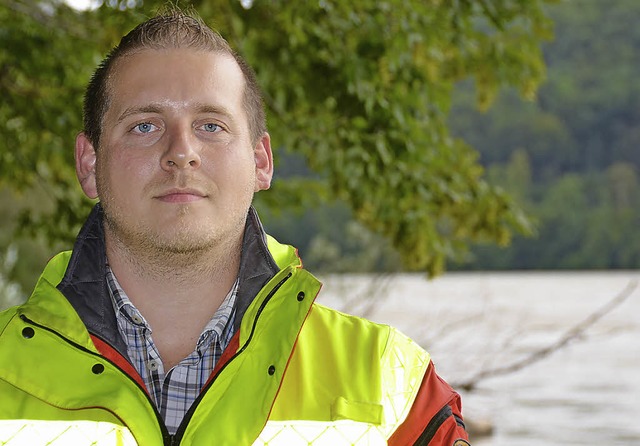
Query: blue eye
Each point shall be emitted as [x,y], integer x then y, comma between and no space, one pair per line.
[210,127]
[145,127]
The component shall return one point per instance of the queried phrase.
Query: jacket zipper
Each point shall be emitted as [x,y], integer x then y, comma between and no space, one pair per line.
[185,421]
[168,439]
[433,426]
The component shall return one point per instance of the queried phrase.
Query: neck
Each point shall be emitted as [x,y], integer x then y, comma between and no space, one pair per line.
[164,276]
[177,293]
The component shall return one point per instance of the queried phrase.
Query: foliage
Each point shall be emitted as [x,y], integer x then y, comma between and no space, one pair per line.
[360,89]
[330,240]
[19,256]
[577,145]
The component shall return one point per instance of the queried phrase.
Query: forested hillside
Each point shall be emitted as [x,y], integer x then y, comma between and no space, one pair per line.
[570,157]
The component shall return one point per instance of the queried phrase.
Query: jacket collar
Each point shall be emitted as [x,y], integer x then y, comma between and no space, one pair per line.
[84,282]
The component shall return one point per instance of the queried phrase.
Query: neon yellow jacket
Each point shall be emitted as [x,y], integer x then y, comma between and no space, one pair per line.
[296,372]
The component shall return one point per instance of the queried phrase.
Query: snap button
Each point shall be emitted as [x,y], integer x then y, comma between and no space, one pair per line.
[97,369]
[272,369]
[28,332]
[300,296]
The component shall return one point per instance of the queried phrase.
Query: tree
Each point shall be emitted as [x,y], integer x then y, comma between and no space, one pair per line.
[581,137]
[361,89]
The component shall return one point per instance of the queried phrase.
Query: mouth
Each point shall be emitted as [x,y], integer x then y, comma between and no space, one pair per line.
[178,195]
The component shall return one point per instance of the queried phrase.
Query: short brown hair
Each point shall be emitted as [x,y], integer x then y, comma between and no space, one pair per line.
[174,29]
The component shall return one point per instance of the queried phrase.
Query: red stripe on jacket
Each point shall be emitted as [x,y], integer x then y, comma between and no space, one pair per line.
[112,355]
[433,395]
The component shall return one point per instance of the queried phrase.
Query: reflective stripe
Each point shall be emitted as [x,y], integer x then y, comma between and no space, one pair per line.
[63,433]
[335,433]
[404,366]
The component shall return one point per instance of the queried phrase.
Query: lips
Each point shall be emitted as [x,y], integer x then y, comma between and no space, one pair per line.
[179,195]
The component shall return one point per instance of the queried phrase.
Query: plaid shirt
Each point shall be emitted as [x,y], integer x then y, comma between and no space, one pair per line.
[175,390]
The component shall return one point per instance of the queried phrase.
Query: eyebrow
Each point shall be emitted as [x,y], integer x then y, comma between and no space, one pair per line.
[158,108]
[139,110]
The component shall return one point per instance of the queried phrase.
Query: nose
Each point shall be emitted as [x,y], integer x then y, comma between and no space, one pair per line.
[182,152]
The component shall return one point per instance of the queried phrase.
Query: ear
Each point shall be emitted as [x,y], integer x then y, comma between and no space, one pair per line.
[264,163]
[86,165]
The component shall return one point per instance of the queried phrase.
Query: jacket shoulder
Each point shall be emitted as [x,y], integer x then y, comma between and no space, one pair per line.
[6,316]
[335,320]
[353,330]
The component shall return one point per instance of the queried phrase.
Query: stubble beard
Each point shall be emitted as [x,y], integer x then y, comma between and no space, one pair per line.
[186,252]
[190,244]
[140,238]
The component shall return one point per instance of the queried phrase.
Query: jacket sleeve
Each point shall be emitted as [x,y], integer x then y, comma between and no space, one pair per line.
[435,418]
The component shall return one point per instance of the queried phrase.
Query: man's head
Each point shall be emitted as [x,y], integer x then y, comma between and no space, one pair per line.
[174,29]
[174,145]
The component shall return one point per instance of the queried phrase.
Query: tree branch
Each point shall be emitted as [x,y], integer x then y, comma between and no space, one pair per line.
[571,334]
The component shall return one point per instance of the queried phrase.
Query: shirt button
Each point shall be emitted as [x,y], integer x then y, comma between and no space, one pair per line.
[153,366]
[136,319]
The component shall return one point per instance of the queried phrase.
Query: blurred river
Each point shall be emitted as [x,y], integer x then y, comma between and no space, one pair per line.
[586,393]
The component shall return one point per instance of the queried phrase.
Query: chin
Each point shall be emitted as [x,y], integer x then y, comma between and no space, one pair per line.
[181,242]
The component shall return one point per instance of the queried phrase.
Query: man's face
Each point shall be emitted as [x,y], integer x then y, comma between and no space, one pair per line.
[176,168]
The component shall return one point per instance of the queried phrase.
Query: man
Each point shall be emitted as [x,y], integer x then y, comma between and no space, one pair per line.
[176,319]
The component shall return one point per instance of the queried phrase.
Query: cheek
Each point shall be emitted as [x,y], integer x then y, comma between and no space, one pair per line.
[235,169]
[134,163]
[123,176]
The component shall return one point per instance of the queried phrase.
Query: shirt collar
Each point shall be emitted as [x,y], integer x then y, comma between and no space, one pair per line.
[220,323]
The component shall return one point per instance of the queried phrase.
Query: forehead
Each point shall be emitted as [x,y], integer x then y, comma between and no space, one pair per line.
[176,76]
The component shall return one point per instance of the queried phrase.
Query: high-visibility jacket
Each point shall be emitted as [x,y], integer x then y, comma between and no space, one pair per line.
[295,372]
